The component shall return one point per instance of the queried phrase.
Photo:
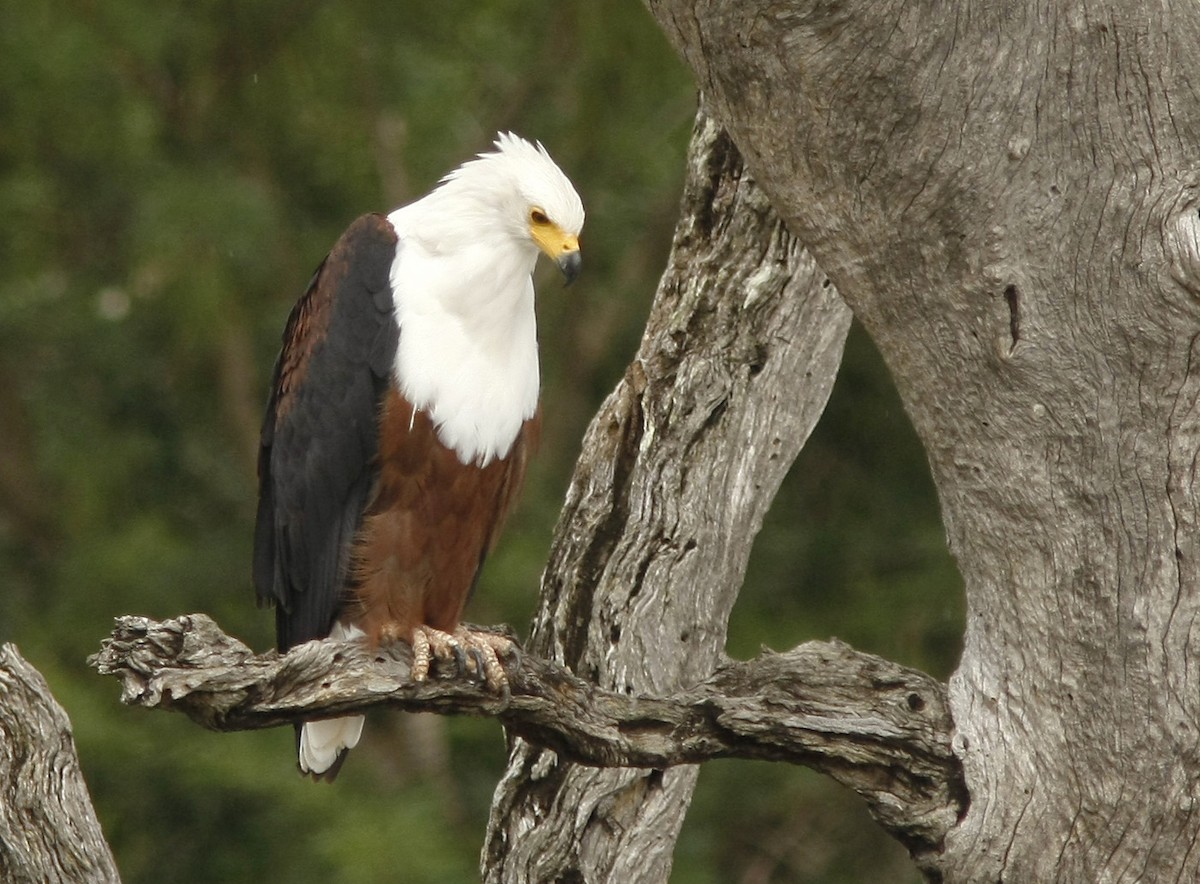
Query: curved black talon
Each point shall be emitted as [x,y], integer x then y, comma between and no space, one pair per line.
[480,672]
[460,660]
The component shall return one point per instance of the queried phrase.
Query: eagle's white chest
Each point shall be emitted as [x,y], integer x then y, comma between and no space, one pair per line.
[467,352]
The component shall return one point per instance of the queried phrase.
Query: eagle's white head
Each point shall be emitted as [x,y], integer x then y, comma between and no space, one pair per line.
[463,290]
[522,187]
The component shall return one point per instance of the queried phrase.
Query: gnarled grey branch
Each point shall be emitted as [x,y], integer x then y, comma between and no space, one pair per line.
[879,728]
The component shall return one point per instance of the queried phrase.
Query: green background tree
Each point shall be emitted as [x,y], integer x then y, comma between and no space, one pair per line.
[169,177]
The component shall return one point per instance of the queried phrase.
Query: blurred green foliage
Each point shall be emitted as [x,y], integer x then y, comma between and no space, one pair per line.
[169,177]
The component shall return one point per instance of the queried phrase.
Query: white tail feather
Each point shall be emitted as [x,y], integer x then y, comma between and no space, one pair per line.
[321,742]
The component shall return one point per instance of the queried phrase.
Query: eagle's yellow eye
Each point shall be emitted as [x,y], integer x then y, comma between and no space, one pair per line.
[537,216]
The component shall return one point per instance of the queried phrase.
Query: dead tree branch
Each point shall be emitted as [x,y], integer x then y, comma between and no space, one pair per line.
[48,829]
[879,728]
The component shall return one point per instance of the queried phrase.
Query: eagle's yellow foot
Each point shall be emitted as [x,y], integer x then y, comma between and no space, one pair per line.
[473,652]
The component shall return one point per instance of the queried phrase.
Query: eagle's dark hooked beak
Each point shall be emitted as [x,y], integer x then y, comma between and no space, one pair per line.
[570,265]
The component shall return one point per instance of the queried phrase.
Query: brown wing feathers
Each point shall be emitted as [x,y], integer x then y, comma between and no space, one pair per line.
[319,440]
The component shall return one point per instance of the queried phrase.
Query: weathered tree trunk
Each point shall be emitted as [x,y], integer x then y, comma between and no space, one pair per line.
[1006,194]
[677,471]
[48,829]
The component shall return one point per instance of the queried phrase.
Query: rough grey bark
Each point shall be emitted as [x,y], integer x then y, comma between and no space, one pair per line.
[48,829]
[880,728]
[677,470]
[1006,193]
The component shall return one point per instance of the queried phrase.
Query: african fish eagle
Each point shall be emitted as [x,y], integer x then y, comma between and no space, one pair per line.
[403,407]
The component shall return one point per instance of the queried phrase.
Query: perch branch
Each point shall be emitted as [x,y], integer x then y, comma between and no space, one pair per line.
[879,728]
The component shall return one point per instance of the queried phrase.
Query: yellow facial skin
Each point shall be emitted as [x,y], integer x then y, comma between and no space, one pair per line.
[559,246]
[550,237]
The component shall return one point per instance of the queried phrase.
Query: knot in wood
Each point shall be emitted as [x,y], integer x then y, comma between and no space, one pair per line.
[1181,242]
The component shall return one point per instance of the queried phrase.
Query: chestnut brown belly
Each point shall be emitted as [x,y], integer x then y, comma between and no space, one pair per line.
[428,526]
